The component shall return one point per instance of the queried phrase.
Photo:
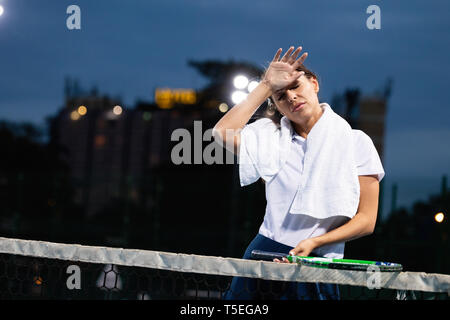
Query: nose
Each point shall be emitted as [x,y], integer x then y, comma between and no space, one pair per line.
[291,95]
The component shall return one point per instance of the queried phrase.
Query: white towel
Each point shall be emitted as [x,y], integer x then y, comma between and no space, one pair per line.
[329,184]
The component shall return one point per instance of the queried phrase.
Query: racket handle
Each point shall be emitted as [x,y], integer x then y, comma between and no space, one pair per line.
[266,255]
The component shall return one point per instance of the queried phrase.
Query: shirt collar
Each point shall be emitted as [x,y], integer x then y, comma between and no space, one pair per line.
[296,136]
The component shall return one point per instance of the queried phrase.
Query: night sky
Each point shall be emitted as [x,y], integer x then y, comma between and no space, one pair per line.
[129,48]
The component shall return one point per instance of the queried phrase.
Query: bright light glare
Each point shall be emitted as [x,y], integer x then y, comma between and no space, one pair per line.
[252,85]
[238,96]
[1,10]
[240,82]
[439,217]
[117,110]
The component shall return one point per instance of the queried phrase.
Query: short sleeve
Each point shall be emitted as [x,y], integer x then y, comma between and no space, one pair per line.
[248,170]
[368,161]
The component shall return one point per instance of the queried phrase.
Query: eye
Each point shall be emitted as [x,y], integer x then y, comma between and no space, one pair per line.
[294,86]
[281,96]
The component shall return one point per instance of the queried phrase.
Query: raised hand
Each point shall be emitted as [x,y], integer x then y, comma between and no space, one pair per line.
[282,72]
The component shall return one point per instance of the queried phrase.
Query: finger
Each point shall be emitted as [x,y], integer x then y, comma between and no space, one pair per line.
[296,75]
[300,60]
[294,56]
[287,54]
[277,55]
[276,260]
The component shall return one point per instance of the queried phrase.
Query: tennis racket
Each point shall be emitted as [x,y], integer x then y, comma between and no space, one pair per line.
[329,263]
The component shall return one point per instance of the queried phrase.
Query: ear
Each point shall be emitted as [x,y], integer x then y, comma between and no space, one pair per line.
[276,108]
[315,84]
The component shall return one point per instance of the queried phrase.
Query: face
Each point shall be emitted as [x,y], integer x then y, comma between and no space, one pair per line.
[299,99]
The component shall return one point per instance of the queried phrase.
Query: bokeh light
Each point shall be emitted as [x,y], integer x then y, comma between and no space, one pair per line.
[238,96]
[74,115]
[223,107]
[240,82]
[82,110]
[147,116]
[117,110]
[252,85]
[439,217]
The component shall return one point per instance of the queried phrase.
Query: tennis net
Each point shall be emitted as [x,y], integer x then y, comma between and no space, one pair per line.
[44,270]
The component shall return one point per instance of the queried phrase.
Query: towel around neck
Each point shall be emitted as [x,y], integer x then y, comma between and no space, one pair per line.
[329,183]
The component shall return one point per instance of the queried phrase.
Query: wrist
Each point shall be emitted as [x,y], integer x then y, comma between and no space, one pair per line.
[267,86]
[316,242]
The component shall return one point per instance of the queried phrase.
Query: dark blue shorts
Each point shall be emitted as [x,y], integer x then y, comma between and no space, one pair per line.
[257,289]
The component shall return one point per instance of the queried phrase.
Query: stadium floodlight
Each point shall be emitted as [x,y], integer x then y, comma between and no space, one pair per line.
[252,85]
[238,96]
[1,10]
[240,82]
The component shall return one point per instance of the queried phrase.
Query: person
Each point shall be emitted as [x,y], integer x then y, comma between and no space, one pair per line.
[321,176]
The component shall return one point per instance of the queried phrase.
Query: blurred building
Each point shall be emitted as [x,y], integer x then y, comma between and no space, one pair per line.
[372,115]
[111,149]
[365,112]
[93,138]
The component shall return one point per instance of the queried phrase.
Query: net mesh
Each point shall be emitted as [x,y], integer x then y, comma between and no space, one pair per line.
[43,270]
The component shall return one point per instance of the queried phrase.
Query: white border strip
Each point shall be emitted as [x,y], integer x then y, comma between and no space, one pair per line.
[417,281]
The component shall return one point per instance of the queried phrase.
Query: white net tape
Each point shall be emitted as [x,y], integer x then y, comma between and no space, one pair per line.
[416,281]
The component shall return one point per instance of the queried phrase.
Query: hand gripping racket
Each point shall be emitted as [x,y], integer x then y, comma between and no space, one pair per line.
[329,263]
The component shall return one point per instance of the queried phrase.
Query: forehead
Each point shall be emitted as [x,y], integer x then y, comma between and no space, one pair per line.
[302,79]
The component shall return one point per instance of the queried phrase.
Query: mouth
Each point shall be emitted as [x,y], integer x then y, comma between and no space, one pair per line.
[298,106]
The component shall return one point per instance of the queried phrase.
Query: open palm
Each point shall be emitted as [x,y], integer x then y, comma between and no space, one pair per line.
[282,72]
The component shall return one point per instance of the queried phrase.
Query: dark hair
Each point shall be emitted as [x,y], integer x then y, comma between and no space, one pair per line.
[271,111]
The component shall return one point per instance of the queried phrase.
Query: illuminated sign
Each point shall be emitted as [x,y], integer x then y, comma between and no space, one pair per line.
[166,98]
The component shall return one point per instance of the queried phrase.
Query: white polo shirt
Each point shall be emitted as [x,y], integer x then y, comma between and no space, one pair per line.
[289,229]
